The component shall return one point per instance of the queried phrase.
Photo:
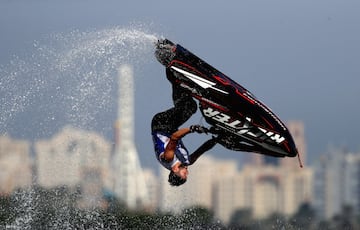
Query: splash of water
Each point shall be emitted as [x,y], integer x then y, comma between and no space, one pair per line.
[24,209]
[69,79]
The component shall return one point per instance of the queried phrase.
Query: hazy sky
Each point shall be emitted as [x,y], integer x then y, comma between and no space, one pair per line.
[300,57]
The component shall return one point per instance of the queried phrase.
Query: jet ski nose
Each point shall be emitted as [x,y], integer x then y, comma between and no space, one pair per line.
[164,42]
[165,51]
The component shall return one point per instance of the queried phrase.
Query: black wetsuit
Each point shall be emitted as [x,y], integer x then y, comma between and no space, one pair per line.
[184,107]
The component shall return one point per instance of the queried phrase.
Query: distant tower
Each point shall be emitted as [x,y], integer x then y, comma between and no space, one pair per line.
[129,183]
[297,130]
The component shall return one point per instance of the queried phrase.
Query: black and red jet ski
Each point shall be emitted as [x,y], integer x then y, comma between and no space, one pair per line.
[240,121]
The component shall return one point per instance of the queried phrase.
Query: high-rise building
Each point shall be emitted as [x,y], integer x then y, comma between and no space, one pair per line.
[153,186]
[352,181]
[264,190]
[336,182]
[230,195]
[74,157]
[297,130]
[129,182]
[15,165]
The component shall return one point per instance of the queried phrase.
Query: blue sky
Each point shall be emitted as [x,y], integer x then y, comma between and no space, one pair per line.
[301,58]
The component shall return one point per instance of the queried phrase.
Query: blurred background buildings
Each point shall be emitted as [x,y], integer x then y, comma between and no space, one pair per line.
[15,164]
[82,160]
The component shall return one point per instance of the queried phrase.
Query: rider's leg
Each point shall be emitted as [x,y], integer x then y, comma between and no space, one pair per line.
[170,120]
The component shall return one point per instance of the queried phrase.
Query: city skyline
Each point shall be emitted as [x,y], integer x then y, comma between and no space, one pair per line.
[76,157]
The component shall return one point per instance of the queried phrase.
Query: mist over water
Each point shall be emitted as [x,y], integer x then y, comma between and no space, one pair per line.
[69,78]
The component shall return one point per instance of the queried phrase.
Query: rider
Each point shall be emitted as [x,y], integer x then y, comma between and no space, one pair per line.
[167,137]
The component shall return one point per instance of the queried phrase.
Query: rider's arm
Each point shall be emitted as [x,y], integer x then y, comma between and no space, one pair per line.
[171,146]
[203,148]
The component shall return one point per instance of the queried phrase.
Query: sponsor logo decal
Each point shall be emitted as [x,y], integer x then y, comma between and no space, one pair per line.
[242,127]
